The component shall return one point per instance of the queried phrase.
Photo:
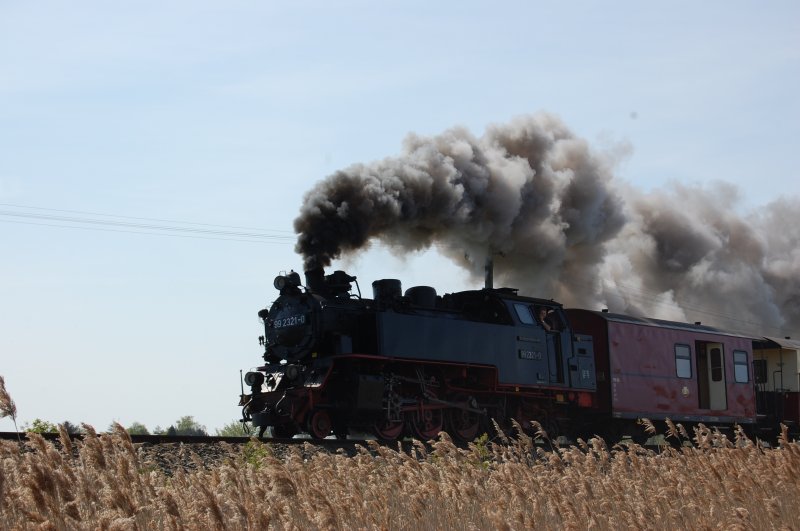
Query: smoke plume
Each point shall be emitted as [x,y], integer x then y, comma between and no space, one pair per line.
[557,224]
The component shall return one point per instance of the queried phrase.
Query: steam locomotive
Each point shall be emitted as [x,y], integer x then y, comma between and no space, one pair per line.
[417,363]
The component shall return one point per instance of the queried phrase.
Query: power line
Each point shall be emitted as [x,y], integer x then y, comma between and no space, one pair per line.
[138,217]
[145,228]
[206,231]
[138,232]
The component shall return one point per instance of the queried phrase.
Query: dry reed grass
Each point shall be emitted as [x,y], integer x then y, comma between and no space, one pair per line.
[103,482]
[7,406]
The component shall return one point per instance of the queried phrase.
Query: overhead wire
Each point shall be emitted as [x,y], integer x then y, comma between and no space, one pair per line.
[208,231]
[29,207]
[144,225]
[141,232]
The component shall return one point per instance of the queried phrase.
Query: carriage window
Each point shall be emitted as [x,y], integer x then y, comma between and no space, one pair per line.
[716,364]
[683,361]
[740,366]
[524,313]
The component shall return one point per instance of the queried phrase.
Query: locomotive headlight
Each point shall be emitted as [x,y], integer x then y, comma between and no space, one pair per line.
[279,282]
[254,379]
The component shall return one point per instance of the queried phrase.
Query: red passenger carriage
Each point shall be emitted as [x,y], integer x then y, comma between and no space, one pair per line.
[659,369]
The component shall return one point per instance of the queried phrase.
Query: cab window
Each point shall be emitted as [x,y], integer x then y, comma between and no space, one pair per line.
[524,313]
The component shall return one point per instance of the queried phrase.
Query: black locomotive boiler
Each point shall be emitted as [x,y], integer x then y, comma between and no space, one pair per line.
[415,362]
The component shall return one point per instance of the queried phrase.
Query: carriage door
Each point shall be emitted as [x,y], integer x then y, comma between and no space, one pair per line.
[711,387]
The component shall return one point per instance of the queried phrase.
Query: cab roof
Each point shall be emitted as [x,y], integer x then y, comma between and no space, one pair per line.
[511,294]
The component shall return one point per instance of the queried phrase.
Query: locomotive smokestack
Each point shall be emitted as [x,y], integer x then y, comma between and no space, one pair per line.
[488,269]
[315,279]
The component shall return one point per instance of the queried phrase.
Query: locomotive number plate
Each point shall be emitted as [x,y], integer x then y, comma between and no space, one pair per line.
[530,355]
[292,320]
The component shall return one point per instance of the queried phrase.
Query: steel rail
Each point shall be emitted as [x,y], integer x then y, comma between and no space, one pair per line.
[209,439]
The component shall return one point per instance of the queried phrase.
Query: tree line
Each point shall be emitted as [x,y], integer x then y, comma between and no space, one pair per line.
[185,425]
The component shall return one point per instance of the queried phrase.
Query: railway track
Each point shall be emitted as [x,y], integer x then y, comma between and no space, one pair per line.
[172,453]
[330,444]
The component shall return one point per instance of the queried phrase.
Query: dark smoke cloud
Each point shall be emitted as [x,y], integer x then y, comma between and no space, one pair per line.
[547,208]
[530,191]
[689,254]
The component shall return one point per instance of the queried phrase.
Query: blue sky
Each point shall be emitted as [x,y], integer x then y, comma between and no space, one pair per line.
[226,113]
